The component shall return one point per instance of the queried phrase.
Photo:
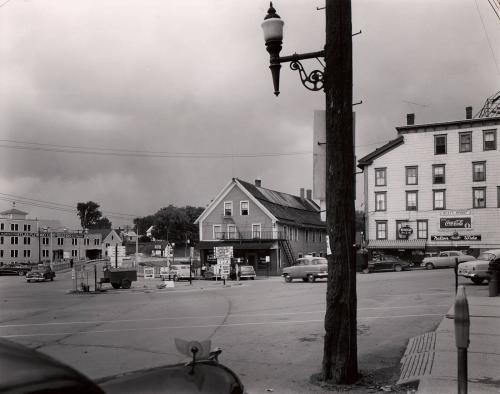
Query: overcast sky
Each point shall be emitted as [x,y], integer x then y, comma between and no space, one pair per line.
[187,82]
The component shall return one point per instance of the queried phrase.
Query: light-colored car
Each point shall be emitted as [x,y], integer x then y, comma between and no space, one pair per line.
[477,270]
[445,259]
[307,268]
[246,272]
[177,272]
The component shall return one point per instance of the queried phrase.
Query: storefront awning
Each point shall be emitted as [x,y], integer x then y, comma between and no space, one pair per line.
[203,245]
[396,244]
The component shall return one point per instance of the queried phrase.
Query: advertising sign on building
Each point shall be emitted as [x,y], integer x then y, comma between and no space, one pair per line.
[223,252]
[456,237]
[454,222]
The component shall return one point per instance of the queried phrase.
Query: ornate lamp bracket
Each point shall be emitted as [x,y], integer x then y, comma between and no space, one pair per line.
[314,81]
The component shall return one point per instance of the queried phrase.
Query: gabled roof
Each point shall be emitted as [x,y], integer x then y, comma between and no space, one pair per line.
[103,231]
[286,207]
[281,207]
[13,211]
[368,159]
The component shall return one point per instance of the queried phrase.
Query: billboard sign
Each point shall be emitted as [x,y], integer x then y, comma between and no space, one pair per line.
[451,222]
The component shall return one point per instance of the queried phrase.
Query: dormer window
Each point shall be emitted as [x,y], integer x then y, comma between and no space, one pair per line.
[228,208]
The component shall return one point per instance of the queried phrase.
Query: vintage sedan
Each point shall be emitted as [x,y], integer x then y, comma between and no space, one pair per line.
[388,263]
[307,268]
[445,259]
[40,275]
[479,270]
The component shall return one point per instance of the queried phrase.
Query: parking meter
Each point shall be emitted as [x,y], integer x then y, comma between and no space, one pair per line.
[462,324]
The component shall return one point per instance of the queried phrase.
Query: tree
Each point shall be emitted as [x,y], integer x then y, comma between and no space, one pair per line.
[102,223]
[340,359]
[143,224]
[89,213]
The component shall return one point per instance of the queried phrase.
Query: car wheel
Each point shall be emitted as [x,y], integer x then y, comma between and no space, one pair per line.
[477,281]
[20,273]
[115,285]
[398,268]
[311,278]
[429,266]
[288,279]
[126,283]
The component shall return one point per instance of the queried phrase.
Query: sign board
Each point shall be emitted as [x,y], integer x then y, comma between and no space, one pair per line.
[223,252]
[224,267]
[73,273]
[454,222]
[149,273]
[405,231]
[164,270]
[112,249]
[456,212]
[456,237]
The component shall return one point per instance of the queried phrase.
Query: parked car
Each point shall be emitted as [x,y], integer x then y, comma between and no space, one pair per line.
[388,263]
[246,272]
[445,259]
[178,272]
[307,268]
[40,274]
[479,270]
[14,270]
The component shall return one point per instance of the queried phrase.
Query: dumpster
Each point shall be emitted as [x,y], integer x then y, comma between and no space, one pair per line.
[119,277]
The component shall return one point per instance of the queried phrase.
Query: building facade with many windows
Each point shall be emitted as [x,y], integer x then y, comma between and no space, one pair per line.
[28,241]
[435,187]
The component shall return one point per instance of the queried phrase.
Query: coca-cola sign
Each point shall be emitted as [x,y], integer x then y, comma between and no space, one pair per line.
[455,223]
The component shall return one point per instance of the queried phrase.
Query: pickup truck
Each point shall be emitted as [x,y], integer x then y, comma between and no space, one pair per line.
[445,259]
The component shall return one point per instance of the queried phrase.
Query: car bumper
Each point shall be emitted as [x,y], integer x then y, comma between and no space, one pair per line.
[37,279]
[471,274]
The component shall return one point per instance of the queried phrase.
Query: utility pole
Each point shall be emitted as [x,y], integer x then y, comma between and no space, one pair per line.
[340,360]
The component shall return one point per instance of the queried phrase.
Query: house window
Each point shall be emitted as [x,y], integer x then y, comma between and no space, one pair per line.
[74,253]
[465,142]
[439,199]
[27,227]
[498,198]
[231,231]
[45,241]
[27,253]
[440,144]
[1,252]
[27,240]
[1,226]
[412,200]
[60,241]
[74,241]
[381,229]
[1,240]
[412,175]
[14,227]
[380,201]
[96,241]
[244,208]
[217,229]
[380,177]
[87,242]
[228,208]
[479,197]
[307,235]
[422,229]
[296,233]
[14,240]
[438,174]
[479,171]
[14,253]
[256,231]
[320,236]
[45,253]
[489,140]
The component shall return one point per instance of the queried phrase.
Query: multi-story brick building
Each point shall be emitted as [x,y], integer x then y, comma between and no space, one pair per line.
[435,187]
[267,229]
[26,240]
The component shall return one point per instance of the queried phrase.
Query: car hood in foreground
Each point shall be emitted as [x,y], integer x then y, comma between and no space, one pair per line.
[475,264]
[27,371]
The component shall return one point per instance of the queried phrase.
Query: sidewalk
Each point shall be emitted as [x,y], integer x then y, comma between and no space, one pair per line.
[432,358]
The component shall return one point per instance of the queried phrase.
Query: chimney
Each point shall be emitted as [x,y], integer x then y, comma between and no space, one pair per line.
[258,182]
[468,112]
[302,192]
[410,119]
[309,194]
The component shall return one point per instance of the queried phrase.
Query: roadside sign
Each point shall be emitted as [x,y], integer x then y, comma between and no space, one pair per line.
[149,273]
[73,273]
[224,267]
[223,252]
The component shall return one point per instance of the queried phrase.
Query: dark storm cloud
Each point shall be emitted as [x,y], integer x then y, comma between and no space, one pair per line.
[192,77]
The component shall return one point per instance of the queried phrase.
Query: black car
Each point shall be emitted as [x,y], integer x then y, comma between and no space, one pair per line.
[14,270]
[388,263]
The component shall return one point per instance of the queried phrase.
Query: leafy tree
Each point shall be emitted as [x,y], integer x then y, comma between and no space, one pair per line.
[102,223]
[89,213]
[143,224]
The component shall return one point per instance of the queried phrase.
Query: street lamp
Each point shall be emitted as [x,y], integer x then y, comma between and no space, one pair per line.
[340,362]
[273,36]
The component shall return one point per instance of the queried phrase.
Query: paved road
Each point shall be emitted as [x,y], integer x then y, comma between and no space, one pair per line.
[270,331]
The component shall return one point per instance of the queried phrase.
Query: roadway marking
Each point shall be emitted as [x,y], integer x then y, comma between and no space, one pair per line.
[207,326]
[208,316]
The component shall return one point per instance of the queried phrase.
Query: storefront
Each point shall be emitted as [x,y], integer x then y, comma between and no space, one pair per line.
[412,250]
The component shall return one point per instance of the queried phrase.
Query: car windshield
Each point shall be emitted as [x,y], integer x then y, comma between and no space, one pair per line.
[246,268]
[486,256]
